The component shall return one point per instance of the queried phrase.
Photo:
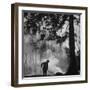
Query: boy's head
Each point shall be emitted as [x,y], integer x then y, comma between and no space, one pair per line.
[47,60]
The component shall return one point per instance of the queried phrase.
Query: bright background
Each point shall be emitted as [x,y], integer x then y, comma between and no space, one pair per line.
[5,45]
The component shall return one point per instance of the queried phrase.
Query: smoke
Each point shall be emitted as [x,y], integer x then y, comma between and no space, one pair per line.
[57,56]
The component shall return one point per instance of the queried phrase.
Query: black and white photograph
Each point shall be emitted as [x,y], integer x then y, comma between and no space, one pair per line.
[51,43]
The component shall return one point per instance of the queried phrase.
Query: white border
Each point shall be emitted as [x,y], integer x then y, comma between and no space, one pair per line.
[53,78]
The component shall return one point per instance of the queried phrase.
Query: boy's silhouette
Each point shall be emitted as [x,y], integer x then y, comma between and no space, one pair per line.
[44,67]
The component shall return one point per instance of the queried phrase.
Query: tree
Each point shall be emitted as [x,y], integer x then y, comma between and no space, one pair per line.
[73,66]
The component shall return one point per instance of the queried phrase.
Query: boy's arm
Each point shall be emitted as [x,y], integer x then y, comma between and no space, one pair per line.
[41,64]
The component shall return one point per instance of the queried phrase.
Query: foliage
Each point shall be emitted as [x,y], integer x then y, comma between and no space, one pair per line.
[52,26]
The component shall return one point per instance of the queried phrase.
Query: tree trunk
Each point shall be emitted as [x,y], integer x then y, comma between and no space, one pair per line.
[73,66]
